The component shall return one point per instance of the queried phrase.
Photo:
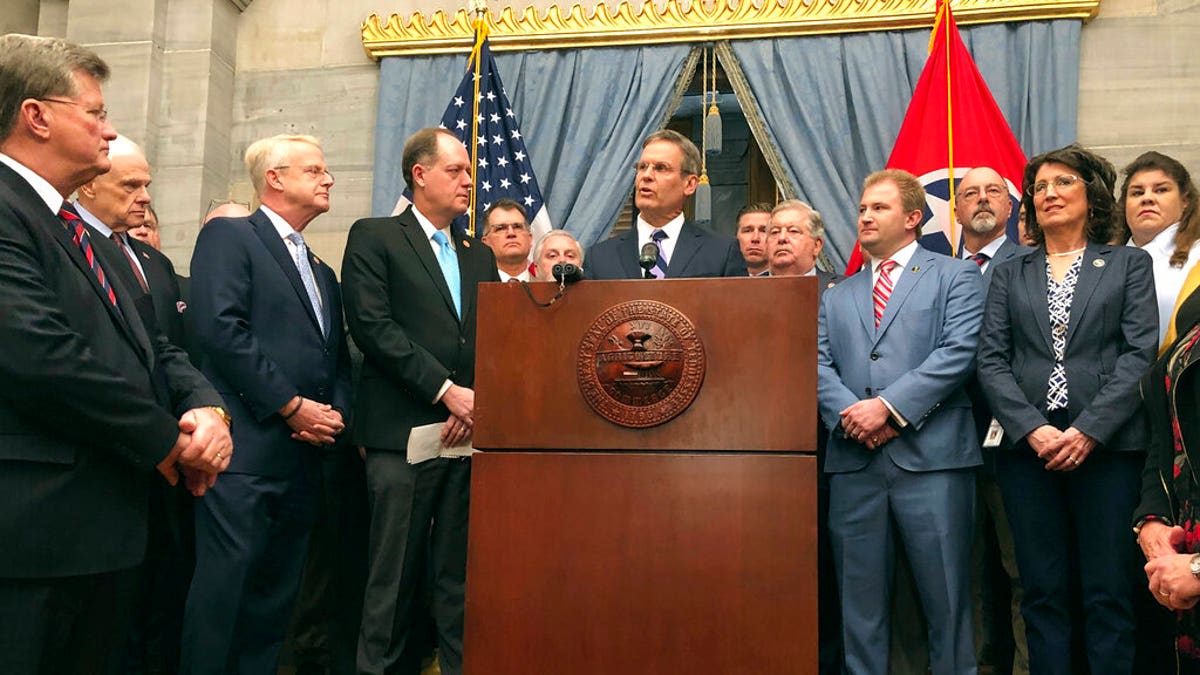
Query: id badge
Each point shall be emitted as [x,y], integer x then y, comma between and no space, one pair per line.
[995,434]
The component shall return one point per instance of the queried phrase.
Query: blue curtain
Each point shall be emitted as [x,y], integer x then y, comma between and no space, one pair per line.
[583,114]
[833,105]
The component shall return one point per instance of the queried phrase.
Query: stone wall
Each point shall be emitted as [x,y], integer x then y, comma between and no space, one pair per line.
[197,80]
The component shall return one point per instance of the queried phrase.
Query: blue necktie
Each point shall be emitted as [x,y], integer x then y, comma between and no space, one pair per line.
[449,262]
[659,271]
[300,257]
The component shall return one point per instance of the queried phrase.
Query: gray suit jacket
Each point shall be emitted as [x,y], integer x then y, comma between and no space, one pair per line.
[918,359]
[1111,341]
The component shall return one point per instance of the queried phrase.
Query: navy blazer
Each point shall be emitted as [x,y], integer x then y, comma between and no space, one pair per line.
[259,341]
[698,253]
[919,359]
[1111,341]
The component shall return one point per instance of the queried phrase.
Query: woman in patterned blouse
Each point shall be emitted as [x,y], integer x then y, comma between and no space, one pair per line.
[1068,331]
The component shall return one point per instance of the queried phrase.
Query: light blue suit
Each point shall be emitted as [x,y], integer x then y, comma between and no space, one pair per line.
[919,484]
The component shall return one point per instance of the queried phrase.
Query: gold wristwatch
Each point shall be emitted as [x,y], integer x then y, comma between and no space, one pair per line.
[224,415]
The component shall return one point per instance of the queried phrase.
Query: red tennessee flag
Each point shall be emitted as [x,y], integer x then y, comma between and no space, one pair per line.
[953,124]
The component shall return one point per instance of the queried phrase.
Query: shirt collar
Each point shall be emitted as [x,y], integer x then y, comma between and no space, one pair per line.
[91,219]
[43,188]
[428,226]
[281,226]
[1163,243]
[900,257]
[989,250]
[672,228]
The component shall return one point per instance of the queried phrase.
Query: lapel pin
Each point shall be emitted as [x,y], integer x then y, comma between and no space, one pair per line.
[466,243]
[316,260]
[916,268]
[1098,263]
[830,285]
[145,255]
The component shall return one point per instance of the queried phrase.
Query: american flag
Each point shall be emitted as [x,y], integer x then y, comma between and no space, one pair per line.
[495,143]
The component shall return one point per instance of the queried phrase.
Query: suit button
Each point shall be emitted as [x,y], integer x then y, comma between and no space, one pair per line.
[325,352]
[874,356]
[462,340]
[868,391]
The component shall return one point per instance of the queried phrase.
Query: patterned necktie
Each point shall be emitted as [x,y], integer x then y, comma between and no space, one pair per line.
[449,263]
[300,257]
[981,258]
[79,233]
[883,288]
[659,271]
[119,240]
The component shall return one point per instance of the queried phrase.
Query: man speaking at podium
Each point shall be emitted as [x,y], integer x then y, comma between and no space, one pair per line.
[667,173]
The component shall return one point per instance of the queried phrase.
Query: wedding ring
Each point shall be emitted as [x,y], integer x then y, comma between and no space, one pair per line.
[875,440]
[1074,460]
[1164,593]
[219,456]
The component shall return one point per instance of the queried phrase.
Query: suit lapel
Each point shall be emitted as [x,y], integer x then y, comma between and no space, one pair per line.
[685,249]
[629,260]
[125,311]
[465,275]
[274,244]
[918,265]
[1091,270]
[866,304]
[423,249]
[1033,271]
[325,279]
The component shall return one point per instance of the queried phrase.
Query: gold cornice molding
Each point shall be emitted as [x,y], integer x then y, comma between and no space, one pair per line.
[676,21]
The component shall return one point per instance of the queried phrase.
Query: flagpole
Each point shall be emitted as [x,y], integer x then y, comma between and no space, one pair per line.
[480,7]
[942,20]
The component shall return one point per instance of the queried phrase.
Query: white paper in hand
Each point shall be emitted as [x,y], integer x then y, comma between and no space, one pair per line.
[425,443]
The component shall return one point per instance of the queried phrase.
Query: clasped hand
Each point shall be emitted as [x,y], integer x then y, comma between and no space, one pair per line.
[201,451]
[867,422]
[460,424]
[1061,450]
[315,423]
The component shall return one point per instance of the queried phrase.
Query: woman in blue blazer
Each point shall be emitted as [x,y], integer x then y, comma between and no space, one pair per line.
[1068,330]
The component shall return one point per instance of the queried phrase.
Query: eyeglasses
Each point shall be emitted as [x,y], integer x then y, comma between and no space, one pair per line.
[505,227]
[654,167]
[973,193]
[101,113]
[312,171]
[1060,183]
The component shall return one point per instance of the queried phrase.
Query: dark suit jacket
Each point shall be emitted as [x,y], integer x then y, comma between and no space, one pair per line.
[698,253]
[979,405]
[259,340]
[1111,341]
[87,397]
[401,315]
[164,289]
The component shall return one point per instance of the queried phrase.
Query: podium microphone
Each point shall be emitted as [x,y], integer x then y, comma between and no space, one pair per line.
[648,258]
[566,273]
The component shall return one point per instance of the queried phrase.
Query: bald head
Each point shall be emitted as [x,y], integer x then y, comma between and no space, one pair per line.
[228,210]
[982,205]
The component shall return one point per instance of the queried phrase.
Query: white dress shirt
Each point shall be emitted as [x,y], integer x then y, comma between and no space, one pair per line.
[130,254]
[668,245]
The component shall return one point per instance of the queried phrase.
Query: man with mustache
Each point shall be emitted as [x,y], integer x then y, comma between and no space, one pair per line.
[982,207]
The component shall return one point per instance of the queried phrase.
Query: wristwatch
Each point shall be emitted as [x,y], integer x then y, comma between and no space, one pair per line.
[224,415]
[1194,565]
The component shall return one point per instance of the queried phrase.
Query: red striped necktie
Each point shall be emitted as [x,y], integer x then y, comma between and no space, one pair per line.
[883,288]
[79,233]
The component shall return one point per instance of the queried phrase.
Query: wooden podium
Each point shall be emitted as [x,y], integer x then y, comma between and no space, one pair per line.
[687,547]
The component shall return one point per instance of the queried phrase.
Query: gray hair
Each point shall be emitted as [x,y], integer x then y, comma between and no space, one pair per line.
[39,68]
[267,153]
[541,242]
[816,226]
[691,154]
